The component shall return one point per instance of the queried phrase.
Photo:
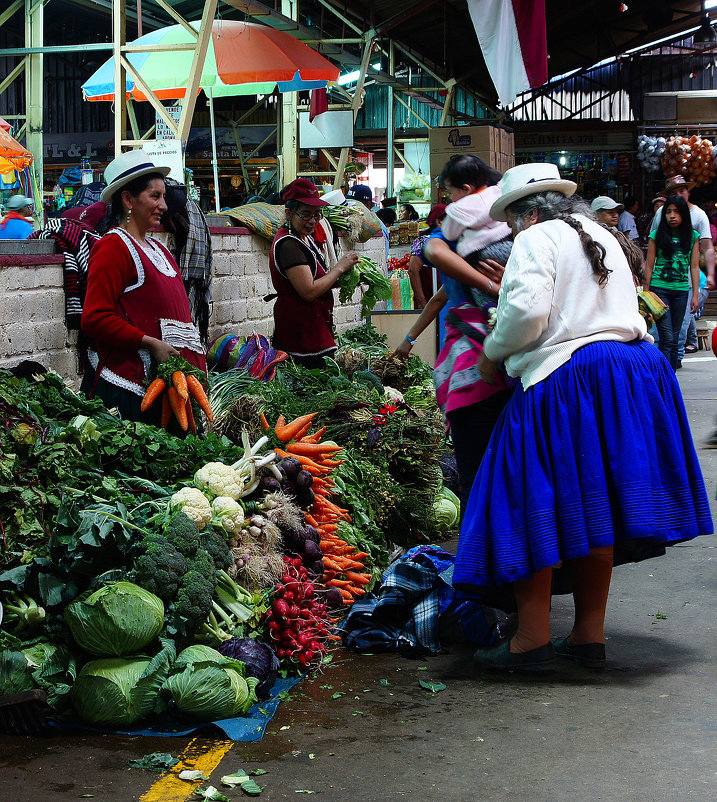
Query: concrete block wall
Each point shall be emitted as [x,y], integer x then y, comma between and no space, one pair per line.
[32,314]
[32,300]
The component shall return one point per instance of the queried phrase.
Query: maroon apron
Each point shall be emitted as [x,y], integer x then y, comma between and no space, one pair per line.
[156,304]
[301,328]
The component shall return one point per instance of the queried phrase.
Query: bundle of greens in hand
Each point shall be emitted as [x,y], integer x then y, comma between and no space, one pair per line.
[365,272]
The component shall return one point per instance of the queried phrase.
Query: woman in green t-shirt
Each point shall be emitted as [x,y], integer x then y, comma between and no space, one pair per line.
[673,271]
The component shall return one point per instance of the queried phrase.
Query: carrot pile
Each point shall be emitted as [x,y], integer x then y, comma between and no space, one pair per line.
[344,567]
[181,390]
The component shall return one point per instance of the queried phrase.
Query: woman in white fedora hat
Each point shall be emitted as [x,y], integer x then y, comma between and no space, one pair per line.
[136,309]
[593,451]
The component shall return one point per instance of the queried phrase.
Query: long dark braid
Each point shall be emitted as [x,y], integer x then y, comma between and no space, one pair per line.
[556,206]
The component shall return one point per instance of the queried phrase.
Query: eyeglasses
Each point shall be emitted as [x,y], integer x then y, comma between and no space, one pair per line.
[307,217]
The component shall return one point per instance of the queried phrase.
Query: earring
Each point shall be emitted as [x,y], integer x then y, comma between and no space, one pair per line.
[129,216]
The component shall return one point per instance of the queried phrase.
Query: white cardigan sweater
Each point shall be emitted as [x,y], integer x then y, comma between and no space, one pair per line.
[551,304]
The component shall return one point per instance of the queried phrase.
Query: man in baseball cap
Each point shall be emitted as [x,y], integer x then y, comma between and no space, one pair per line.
[607,211]
[15,225]
[362,193]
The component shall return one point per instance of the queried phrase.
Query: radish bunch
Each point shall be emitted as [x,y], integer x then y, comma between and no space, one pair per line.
[297,619]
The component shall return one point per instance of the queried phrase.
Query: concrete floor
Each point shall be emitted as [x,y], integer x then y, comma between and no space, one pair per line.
[645,730]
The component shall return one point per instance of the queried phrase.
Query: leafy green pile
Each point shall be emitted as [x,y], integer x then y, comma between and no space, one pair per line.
[365,272]
[391,473]
[54,441]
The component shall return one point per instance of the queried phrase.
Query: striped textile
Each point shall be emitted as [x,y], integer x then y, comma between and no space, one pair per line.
[455,374]
[75,241]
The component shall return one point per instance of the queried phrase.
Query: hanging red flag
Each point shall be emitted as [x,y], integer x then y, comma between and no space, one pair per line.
[513,39]
[319,103]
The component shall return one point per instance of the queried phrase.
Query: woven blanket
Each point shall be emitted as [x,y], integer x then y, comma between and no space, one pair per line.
[263,219]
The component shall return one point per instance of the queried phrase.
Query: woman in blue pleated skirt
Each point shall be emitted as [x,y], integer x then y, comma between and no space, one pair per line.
[593,454]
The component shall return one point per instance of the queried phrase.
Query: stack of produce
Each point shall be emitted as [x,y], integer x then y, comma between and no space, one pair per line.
[124,546]
[399,263]
[180,385]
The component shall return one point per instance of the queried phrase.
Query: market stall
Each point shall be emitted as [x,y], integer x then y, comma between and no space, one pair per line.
[154,584]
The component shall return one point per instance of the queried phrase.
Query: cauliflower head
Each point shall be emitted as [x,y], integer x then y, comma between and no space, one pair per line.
[194,504]
[228,513]
[219,480]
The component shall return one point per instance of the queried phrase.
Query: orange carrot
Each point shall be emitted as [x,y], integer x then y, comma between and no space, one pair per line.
[329,563]
[305,461]
[361,555]
[354,591]
[314,438]
[328,528]
[347,597]
[358,579]
[179,408]
[338,583]
[312,449]
[332,463]
[154,390]
[166,410]
[288,431]
[303,431]
[179,380]
[264,422]
[311,520]
[190,416]
[334,637]
[196,389]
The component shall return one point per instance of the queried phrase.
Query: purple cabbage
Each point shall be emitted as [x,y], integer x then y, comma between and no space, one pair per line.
[259,659]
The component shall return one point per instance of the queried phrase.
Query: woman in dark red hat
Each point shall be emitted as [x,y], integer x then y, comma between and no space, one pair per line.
[303,311]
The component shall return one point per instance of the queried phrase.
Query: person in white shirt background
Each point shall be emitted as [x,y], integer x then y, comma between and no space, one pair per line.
[593,449]
[627,222]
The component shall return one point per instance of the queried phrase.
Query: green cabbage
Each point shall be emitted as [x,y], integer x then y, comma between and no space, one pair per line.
[446,510]
[120,690]
[15,673]
[208,686]
[118,619]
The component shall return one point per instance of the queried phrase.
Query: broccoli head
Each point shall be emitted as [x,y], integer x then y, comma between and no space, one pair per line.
[369,379]
[217,548]
[160,568]
[193,602]
[183,534]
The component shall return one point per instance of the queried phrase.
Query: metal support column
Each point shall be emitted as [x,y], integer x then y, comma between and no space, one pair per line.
[33,92]
[289,118]
[356,104]
[119,39]
[390,123]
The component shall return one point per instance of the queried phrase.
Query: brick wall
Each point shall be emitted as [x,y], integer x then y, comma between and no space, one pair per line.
[32,299]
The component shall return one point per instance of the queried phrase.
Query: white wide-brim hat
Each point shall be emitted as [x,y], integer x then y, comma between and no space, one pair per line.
[336,197]
[125,168]
[528,179]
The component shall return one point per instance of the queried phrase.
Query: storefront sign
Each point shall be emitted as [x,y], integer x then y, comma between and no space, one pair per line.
[97,146]
[575,140]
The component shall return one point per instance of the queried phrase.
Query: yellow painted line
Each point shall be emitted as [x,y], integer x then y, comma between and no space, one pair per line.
[200,755]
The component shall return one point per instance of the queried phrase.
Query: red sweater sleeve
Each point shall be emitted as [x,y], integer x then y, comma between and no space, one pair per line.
[111,271]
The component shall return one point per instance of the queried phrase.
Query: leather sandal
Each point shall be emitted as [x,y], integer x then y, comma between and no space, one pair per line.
[588,655]
[500,658]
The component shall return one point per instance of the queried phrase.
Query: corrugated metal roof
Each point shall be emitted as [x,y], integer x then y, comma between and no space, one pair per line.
[614,92]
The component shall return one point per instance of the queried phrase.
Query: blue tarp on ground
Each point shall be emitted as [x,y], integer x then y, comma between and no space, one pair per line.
[247,728]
